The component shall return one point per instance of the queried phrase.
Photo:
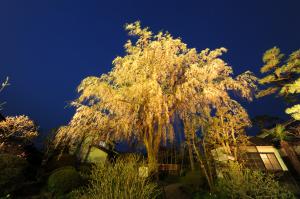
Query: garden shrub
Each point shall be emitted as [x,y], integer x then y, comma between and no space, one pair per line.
[241,182]
[118,180]
[11,173]
[193,181]
[63,180]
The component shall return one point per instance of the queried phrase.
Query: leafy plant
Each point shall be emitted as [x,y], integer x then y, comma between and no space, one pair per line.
[118,180]
[63,180]
[241,182]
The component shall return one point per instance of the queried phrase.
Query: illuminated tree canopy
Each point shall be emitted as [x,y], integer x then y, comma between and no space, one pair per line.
[158,78]
[18,127]
[282,77]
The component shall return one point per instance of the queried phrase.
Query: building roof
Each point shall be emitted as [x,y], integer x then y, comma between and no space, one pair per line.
[257,141]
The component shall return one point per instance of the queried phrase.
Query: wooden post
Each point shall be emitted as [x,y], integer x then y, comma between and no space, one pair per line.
[292,156]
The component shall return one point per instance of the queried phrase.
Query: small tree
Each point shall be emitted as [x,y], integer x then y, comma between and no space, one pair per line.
[15,132]
[227,129]
[20,127]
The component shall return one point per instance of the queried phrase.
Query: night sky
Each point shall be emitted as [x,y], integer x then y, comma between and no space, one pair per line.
[48,47]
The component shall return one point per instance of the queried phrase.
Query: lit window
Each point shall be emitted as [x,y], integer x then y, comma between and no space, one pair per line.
[262,161]
[270,161]
[254,161]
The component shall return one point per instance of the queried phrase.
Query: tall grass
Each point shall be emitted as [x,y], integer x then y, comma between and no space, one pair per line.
[118,180]
[240,182]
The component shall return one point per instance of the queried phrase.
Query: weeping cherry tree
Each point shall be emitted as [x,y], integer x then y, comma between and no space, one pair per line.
[158,79]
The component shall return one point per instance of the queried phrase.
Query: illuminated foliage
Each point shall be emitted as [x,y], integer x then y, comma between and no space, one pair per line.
[15,132]
[18,127]
[157,79]
[120,180]
[227,128]
[293,89]
[283,77]
[240,182]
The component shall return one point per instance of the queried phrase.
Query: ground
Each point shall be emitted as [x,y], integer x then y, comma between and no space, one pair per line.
[174,191]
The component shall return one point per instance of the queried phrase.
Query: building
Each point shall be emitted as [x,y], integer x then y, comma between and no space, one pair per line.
[258,155]
[97,153]
[261,154]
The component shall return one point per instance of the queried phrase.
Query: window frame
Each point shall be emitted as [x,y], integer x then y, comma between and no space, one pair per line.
[261,163]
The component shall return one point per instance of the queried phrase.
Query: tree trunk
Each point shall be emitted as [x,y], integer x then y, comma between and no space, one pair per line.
[191,155]
[292,156]
[151,154]
[189,141]
[204,169]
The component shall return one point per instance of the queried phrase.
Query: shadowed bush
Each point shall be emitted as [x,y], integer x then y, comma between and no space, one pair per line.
[193,181]
[63,180]
[119,180]
[11,173]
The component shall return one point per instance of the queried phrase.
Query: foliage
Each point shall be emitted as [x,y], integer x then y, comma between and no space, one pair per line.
[227,129]
[279,132]
[63,180]
[283,77]
[119,180]
[294,111]
[18,127]
[193,181]
[293,89]
[265,121]
[158,79]
[241,182]
[11,172]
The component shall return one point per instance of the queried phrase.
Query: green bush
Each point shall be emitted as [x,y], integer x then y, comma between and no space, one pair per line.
[11,173]
[119,180]
[63,180]
[193,181]
[240,182]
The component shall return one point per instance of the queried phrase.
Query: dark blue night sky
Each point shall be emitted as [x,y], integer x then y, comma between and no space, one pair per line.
[48,47]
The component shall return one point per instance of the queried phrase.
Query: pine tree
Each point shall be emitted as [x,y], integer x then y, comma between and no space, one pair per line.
[283,78]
